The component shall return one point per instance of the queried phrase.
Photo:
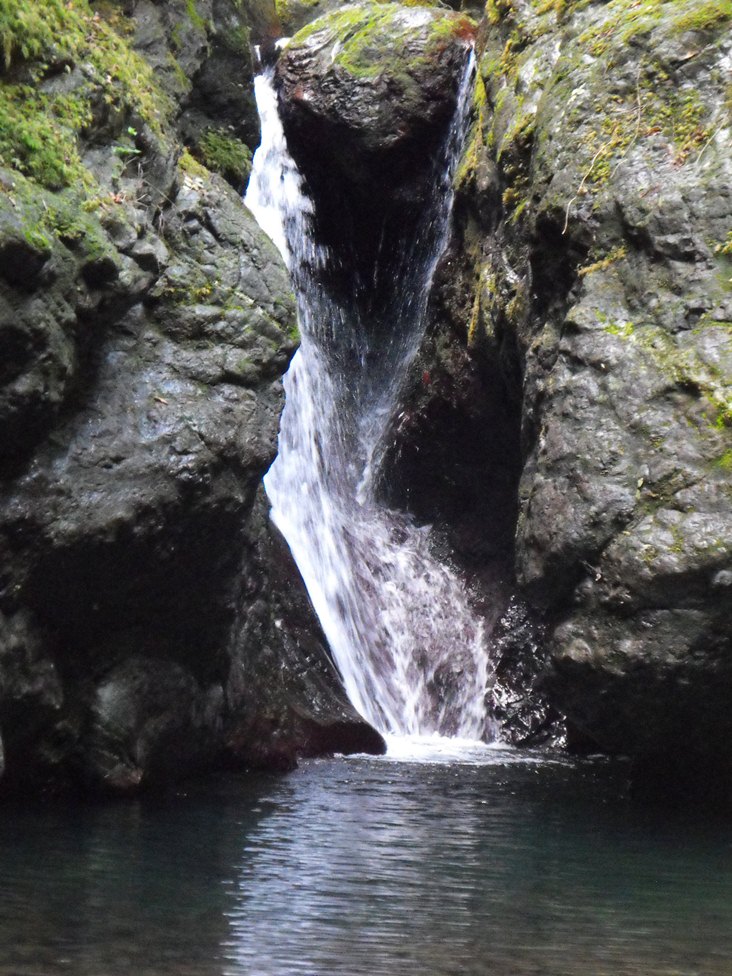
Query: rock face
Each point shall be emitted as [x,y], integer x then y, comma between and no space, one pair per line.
[588,288]
[151,622]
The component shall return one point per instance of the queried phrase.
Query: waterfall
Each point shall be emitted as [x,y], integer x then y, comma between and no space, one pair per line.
[411,652]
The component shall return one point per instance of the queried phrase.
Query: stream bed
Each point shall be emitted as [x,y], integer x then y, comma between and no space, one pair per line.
[483,862]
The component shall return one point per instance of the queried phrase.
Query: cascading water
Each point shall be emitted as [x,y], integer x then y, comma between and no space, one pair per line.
[411,652]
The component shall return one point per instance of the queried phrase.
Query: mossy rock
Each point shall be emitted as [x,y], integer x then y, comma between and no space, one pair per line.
[296,14]
[608,266]
[376,39]
[221,152]
[372,79]
[367,94]
[65,68]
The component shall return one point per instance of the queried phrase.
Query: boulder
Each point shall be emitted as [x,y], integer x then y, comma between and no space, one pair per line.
[366,95]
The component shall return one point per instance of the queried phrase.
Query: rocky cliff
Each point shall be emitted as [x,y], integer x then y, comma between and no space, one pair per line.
[575,385]
[151,622]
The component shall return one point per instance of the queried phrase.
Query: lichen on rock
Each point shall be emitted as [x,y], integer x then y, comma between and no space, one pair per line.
[589,267]
[145,322]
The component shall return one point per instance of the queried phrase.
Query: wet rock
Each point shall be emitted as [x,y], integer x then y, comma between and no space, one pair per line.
[518,700]
[145,325]
[150,720]
[31,699]
[591,271]
[283,689]
[381,77]
[130,537]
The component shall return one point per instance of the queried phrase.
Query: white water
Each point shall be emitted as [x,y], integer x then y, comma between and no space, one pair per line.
[411,652]
[440,750]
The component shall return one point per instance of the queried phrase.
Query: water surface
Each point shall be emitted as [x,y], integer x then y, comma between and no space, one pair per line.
[365,867]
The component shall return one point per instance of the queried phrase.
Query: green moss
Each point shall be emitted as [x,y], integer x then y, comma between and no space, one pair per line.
[69,217]
[39,134]
[223,153]
[366,33]
[725,461]
[194,16]
[724,415]
[508,65]
[656,107]
[520,133]
[518,307]
[475,141]
[346,21]
[37,239]
[498,10]
[704,16]
[628,20]
[42,120]
[519,209]
[726,246]
[514,155]
[189,165]
[29,30]
[181,79]
[176,37]
[617,254]
[622,329]
[190,287]
[557,7]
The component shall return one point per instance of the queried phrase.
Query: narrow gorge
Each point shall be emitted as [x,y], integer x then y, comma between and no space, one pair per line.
[504,464]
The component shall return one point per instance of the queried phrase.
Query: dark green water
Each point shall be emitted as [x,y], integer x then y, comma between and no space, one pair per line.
[368,867]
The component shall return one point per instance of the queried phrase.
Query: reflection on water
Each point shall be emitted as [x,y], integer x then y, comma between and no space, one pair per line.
[365,867]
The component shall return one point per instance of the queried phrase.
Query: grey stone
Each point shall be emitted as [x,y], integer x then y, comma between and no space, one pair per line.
[597,289]
[143,342]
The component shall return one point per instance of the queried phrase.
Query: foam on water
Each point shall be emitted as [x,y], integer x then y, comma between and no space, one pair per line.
[438,749]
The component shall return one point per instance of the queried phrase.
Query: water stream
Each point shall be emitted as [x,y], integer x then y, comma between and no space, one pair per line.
[411,651]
